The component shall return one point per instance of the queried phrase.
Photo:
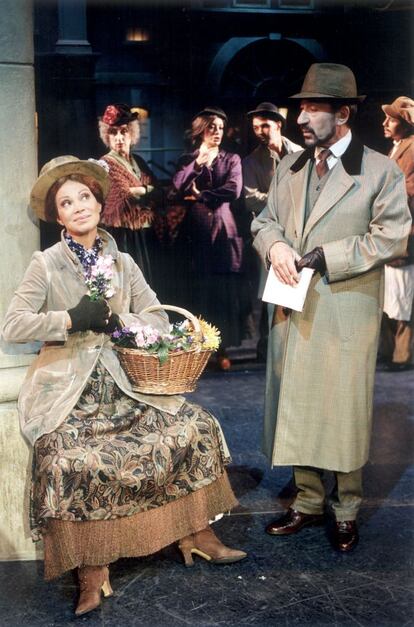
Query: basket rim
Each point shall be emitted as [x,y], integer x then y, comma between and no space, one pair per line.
[144,353]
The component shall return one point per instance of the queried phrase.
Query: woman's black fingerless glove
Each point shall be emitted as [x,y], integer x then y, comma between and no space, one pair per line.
[88,314]
[113,324]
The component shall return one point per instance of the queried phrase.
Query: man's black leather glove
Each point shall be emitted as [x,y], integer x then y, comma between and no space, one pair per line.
[113,324]
[88,314]
[315,259]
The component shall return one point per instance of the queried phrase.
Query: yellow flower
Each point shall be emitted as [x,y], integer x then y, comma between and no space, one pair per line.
[211,336]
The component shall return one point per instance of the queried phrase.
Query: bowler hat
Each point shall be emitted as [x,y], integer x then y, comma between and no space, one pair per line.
[402,108]
[267,110]
[118,114]
[329,81]
[212,111]
[64,166]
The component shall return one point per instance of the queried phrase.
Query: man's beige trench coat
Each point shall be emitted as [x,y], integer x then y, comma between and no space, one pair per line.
[52,284]
[321,362]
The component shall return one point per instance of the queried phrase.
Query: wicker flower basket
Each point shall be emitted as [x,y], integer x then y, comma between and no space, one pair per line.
[177,375]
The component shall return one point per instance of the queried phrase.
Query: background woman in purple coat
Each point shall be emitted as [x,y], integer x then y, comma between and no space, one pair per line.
[210,178]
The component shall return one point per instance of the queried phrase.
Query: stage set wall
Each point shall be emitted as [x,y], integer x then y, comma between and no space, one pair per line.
[62,62]
[19,238]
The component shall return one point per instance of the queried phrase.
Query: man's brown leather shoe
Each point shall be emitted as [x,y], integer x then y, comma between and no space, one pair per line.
[345,536]
[292,522]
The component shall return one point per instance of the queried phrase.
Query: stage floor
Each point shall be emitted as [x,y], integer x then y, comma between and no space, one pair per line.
[297,580]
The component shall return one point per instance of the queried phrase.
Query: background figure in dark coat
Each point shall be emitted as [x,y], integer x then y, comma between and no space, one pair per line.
[211,179]
[129,208]
[259,168]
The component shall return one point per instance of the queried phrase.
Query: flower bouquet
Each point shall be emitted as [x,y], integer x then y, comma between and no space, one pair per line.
[99,280]
[166,363]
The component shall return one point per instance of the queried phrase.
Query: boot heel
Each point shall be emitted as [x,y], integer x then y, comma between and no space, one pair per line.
[187,556]
[106,589]
[93,580]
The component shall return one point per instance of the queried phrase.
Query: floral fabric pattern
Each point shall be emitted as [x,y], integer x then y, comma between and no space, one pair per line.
[114,456]
[88,258]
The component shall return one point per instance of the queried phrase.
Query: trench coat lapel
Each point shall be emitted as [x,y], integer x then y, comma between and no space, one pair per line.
[298,184]
[337,185]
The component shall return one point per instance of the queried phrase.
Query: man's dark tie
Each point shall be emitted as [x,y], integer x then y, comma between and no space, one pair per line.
[322,166]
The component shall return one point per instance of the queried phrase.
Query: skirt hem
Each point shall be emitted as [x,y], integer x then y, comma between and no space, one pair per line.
[71,544]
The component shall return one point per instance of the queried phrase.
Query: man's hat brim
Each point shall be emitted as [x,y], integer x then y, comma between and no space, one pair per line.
[394,112]
[310,95]
[270,115]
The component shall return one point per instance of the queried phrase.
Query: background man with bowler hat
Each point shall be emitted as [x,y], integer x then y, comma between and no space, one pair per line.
[258,170]
[397,329]
[341,209]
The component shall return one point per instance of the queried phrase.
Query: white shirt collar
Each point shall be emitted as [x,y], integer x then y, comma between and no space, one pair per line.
[338,148]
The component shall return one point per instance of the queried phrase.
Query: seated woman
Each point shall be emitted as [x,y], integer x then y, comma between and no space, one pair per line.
[115,473]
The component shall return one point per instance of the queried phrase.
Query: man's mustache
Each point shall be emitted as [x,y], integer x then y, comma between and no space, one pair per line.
[307,129]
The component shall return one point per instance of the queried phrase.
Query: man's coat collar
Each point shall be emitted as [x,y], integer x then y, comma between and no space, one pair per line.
[351,159]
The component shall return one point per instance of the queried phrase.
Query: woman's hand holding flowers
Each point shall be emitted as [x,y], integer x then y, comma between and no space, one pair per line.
[93,312]
[89,314]
[111,324]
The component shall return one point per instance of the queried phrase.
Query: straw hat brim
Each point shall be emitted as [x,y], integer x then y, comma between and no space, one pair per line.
[46,180]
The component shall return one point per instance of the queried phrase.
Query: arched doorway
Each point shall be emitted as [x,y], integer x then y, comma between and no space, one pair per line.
[254,69]
[247,71]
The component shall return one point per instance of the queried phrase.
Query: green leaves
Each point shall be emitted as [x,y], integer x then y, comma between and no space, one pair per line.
[162,352]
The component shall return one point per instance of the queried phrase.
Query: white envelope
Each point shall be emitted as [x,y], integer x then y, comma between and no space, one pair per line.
[279,293]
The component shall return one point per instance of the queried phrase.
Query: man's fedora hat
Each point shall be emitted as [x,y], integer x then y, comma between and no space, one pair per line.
[211,111]
[118,114]
[329,81]
[267,110]
[402,108]
[64,166]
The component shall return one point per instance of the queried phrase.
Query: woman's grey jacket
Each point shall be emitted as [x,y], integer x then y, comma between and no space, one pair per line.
[53,283]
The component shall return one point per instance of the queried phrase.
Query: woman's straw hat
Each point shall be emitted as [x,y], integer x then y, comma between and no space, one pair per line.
[64,166]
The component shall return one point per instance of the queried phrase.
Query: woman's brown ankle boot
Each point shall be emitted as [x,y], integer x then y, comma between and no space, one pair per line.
[92,581]
[206,544]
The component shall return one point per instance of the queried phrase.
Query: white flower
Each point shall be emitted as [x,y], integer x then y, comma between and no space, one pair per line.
[101,163]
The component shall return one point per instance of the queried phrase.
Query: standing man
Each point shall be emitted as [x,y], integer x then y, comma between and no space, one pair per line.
[397,329]
[341,209]
[260,165]
[258,170]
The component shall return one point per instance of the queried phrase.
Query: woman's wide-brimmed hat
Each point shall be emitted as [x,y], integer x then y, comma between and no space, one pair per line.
[212,111]
[402,108]
[330,81]
[118,114]
[64,166]
[267,110]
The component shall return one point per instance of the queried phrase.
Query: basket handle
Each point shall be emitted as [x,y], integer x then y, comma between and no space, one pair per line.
[184,312]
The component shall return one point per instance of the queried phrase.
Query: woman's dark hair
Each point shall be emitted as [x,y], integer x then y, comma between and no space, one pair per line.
[199,126]
[51,213]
